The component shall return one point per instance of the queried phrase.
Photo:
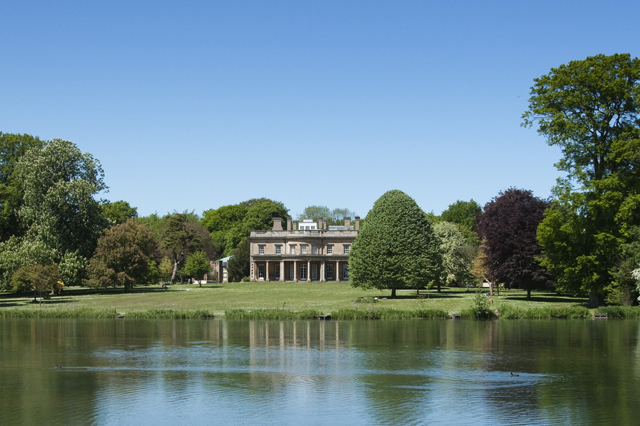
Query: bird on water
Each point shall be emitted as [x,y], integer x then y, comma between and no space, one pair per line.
[513,375]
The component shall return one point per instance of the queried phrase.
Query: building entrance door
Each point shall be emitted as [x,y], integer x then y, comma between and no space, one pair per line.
[314,272]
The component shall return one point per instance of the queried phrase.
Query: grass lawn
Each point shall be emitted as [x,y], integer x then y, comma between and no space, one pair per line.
[325,297]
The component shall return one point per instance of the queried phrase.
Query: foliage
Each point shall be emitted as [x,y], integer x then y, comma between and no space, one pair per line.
[165,268]
[72,268]
[12,148]
[619,311]
[480,268]
[239,266]
[480,310]
[508,228]
[546,312]
[36,278]
[179,241]
[197,265]
[456,259]
[60,183]
[623,289]
[270,314]
[332,217]
[123,256]
[462,213]
[229,225]
[396,248]
[590,109]
[387,314]
[18,252]
[119,212]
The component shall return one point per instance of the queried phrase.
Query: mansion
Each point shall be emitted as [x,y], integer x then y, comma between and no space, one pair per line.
[306,251]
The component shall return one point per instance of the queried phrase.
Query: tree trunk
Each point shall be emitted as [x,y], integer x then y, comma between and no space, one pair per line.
[491,288]
[528,293]
[594,300]
[173,273]
[438,286]
[393,293]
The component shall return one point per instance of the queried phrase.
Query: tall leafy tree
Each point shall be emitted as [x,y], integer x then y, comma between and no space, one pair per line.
[124,256]
[456,253]
[197,265]
[37,278]
[333,217]
[12,148]
[508,228]
[462,213]
[590,109]
[396,247]
[179,241]
[239,265]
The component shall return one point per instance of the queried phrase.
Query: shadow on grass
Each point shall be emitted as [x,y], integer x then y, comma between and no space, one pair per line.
[117,290]
[547,299]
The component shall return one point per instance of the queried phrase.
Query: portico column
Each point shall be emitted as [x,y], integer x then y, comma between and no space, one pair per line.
[308,270]
[295,271]
[282,271]
[266,272]
[322,277]
[337,271]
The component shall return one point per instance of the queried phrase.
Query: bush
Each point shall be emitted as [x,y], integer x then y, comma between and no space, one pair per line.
[620,311]
[271,314]
[544,312]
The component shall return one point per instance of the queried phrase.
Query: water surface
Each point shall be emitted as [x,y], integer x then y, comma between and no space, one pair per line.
[120,372]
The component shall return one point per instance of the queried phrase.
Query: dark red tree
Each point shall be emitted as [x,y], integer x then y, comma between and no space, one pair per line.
[508,224]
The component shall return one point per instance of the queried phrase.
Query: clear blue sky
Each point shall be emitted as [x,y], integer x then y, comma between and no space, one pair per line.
[194,105]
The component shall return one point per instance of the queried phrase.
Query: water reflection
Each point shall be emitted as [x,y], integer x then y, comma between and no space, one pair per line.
[382,372]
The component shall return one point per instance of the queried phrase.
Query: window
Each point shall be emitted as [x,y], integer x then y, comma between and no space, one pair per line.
[314,249]
[260,249]
[314,272]
[346,249]
[329,249]
[345,272]
[292,272]
[303,249]
[278,249]
[261,271]
[329,272]
[277,272]
[292,249]
[303,272]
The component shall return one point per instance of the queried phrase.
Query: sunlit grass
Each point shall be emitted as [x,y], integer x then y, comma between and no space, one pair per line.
[215,299]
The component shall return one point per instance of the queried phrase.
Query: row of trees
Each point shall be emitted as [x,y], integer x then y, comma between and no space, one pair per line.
[586,239]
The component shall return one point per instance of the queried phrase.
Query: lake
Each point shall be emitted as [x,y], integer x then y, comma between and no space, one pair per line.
[150,372]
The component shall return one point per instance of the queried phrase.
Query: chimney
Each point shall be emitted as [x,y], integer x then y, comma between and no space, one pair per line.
[277,224]
[320,223]
[347,223]
[289,223]
[295,225]
[357,223]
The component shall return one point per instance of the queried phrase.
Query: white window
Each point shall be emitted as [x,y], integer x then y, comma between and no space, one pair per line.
[261,271]
[346,249]
[278,249]
[345,272]
[314,249]
[292,249]
[260,249]
[303,249]
[329,249]
[329,272]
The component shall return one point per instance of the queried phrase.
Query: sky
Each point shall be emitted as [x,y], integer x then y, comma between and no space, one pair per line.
[193,105]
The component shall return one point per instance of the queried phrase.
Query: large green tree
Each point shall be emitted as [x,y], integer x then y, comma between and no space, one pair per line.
[457,255]
[333,217]
[197,265]
[124,256]
[239,265]
[119,211]
[462,213]
[396,247]
[12,148]
[179,241]
[60,215]
[590,109]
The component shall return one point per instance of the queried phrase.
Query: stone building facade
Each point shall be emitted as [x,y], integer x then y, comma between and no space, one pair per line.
[305,251]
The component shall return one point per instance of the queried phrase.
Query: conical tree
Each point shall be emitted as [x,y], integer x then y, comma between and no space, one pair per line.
[396,248]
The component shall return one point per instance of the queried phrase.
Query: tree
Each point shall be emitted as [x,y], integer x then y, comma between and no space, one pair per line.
[59,212]
[179,241]
[119,211]
[396,247]
[36,278]
[462,213]
[622,290]
[456,259]
[123,257]
[12,148]
[590,109]
[508,228]
[197,265]
[239,265]
[332,217]
[480,269]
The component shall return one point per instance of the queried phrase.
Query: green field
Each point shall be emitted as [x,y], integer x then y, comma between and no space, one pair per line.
[324,297]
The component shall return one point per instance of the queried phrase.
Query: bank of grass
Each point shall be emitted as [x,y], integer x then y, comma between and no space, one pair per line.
[287,301]
[620,311]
